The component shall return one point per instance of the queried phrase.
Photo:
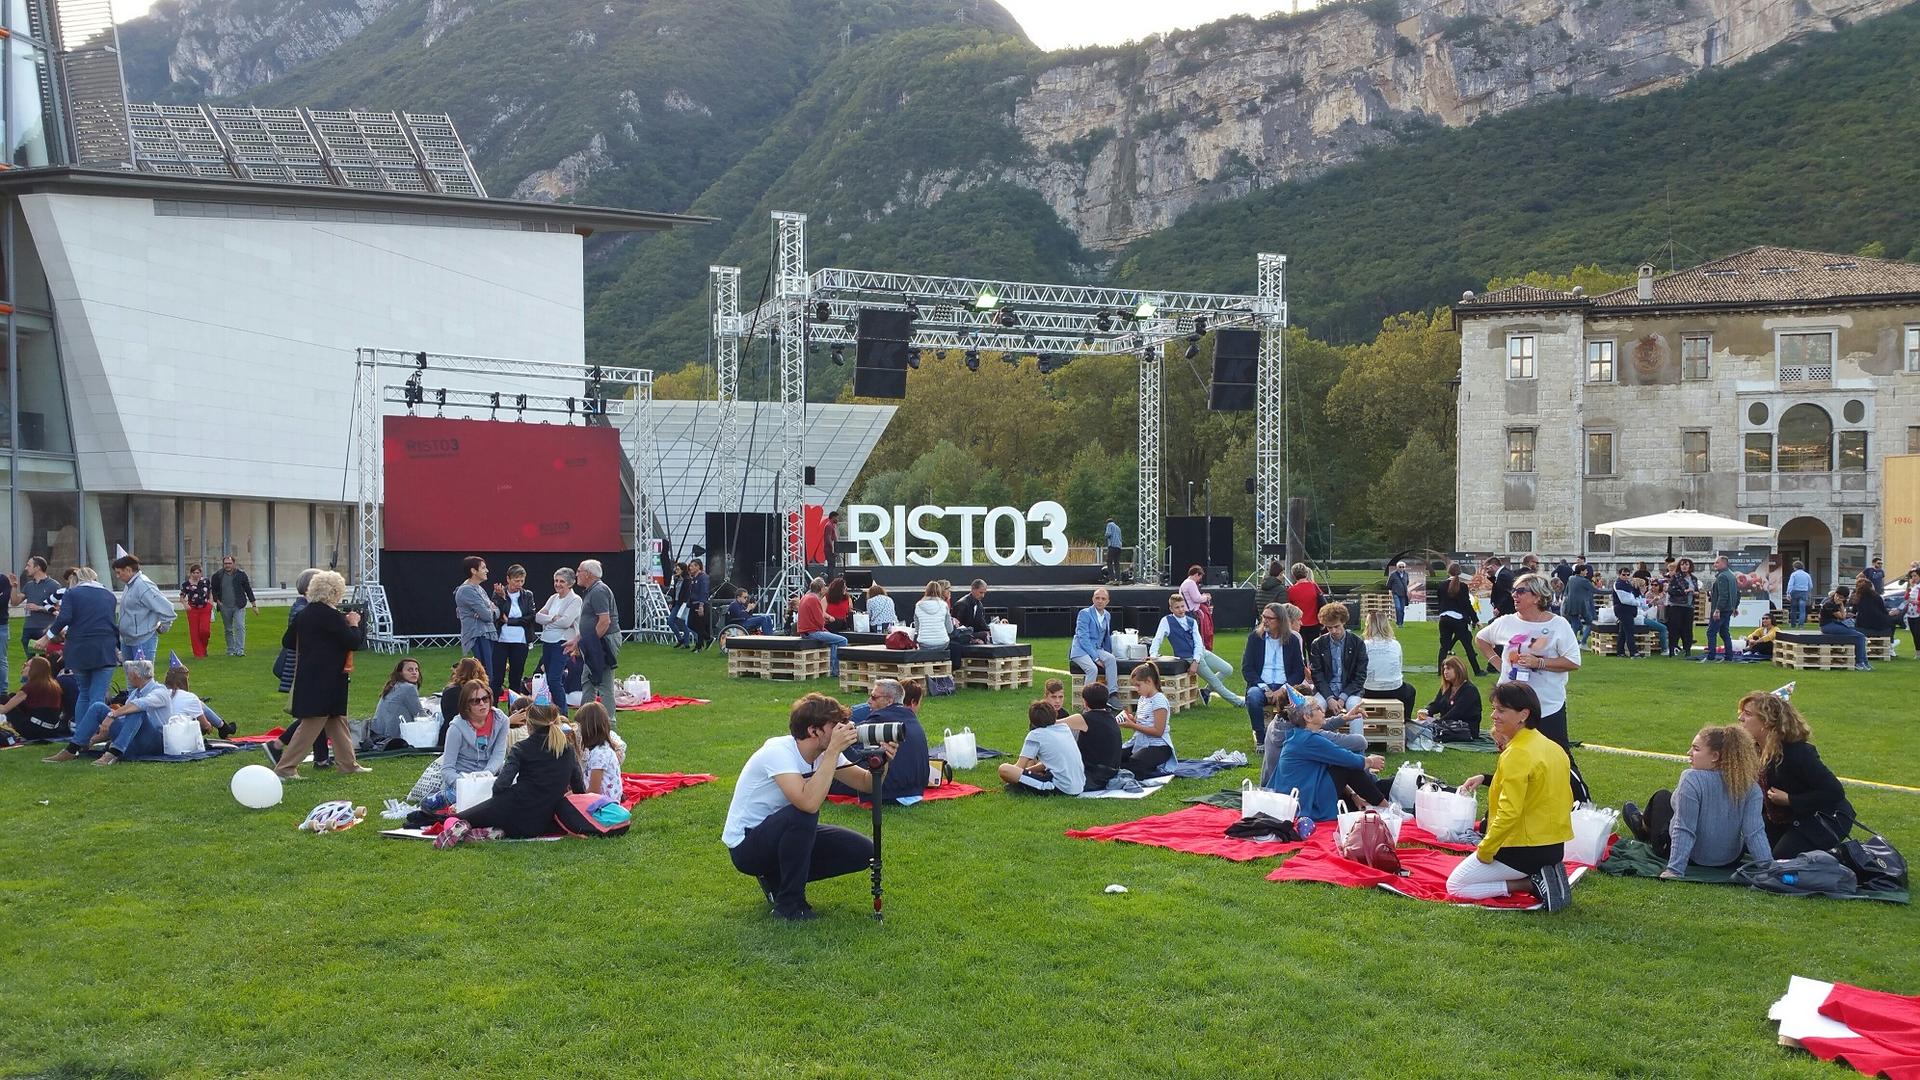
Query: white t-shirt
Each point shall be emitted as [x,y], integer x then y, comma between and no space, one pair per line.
[1385,668]
[604,758]
[1144,711]
[1551,638]
[1057,748]
[519,604]
[188,704]
[757,796]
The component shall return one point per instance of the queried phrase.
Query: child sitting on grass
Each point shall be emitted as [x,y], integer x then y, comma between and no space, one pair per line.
[1049,760]
[1099,737]
[601,760]
[1056,696]
[188,704]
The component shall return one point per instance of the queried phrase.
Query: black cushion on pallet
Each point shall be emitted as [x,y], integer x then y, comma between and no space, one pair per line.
[866,653]
[855,637]
[770,643]
[1810,637]
[984,652]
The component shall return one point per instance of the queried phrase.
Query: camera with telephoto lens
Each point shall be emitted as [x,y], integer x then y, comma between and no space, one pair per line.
[871,737]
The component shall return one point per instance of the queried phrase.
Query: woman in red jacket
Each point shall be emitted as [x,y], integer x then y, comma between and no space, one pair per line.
[1306,595]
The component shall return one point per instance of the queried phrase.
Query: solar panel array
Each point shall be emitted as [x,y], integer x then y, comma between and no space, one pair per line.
[378,151]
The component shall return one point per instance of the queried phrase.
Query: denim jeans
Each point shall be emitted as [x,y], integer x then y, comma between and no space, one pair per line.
[1257,698]
[142,649]
[133,733]
[1659,629]
[91,687]
[1798,602]
[1399,611]
[677,622]
[555,662]
[1212,668]
[491,657]
[1842,630]
[758,624]
[1717,623]
[833,642]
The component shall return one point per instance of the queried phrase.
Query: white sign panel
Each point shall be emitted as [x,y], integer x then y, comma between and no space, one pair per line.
[899,536]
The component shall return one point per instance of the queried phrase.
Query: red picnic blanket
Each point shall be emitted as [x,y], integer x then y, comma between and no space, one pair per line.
[1200,829]
[637,786]
[663,701]
[1886,1030]
[948,790]
[1426,869]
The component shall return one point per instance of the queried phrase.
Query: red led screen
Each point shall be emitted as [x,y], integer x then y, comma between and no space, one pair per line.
[476,485]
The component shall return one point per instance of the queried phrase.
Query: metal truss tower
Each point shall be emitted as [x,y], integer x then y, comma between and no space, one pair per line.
[1149,565]
[1272,481]
[726,376]
[792,290]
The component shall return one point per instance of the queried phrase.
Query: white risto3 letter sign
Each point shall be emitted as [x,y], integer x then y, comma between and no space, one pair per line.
[886,532]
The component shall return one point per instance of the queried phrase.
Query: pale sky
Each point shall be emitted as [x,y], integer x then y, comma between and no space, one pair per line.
[1053,24]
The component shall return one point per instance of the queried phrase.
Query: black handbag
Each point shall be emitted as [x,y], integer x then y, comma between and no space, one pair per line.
[1875,861]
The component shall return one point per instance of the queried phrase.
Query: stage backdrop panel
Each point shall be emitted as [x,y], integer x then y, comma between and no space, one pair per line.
[420,584]
[487,485]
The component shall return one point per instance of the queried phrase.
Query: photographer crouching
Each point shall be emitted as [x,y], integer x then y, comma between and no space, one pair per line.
[773,826]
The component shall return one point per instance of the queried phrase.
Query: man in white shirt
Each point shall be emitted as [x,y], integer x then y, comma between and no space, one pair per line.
[1539,648]
[773,828]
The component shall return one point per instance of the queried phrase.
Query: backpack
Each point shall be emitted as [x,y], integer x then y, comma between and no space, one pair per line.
[1817,873]
[1369,843]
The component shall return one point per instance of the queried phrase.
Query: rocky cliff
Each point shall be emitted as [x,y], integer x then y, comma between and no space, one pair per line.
[1131,139]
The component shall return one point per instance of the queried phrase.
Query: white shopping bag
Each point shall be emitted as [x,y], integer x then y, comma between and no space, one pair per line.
[1406,783]
[1591,827]
[472,789]
[1278,804]
[539,685]
[1393,816]
[181,735]
[861,622]
[634,690]
[420,734]
[962,751]
[1443,812]
[1002,633]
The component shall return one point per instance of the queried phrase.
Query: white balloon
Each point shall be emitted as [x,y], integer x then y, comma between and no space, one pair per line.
[256,786]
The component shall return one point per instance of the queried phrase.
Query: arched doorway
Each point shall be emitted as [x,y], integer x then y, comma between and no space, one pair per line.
[1809,540]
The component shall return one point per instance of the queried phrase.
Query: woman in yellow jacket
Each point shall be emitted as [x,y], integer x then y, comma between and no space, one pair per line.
[1529,809]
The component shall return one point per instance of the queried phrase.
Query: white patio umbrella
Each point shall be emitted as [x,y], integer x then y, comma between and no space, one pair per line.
[1685,523]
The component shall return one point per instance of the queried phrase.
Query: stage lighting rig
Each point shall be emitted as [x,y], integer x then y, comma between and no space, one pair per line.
[1193,347]
[1104,321]
[913,359]
[973,359]
[987,300]
[569,410]
[913,309]
[1006,317]
[420,360]
[839,356]
[822,312]
[440,400]
[414,395]
[520,405]
[1199,325]
[493,405]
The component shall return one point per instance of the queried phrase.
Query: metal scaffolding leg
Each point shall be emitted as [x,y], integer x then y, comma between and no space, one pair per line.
[792,290]
[649,603]
[1272,481]
[367,432]
[1148,559]
[726,373]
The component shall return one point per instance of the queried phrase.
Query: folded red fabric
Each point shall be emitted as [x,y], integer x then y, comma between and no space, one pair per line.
[663,701]
[1888,1026]
[637,786]
[1196,830]
[944,791]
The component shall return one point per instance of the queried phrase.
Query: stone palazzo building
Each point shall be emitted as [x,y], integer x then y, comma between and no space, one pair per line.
[1768,385]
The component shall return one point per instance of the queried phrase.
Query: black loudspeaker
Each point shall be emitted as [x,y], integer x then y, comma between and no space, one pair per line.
[807,479]
[1236,362]
[880,358]
[1249,485]
[1187,544]
[861,580]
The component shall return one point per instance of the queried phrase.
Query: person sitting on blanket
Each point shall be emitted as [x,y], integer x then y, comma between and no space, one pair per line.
[1760,642]
[136,724]
[399,704]
[908,773]
[1323,766]
[465,670]
[602,762]
[1454,712]
[532,786]
[1150,750]
[1098,738]
[1049,762]
[476,743]
[188,704]
[773,829]
[33,712]
[1714,813]
[1806,809]
[1529,809]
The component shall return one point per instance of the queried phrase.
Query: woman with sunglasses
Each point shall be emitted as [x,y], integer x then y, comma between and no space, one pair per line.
[476,742]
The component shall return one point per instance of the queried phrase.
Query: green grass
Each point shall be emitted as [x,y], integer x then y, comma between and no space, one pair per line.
[156,928]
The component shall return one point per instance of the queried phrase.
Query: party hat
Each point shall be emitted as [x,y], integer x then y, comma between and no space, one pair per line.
[1299,700]
[173,661]
[1785,693]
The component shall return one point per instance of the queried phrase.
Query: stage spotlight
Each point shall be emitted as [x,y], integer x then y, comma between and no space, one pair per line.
[987,300]
[1200,325]
[913,308]
[493,405]
[1104,321]
[973,359]
[420,360]
[839,356]
[822,312]
[1007,317]
[1027,338]
[1088,340]
[1010,359]
[520,404]
[1146,310]
[913,359]
[939,354]
[569,410]
[440,400]
[1193,348]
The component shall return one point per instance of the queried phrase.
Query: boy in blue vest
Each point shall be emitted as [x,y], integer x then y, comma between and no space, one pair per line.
[1180,629]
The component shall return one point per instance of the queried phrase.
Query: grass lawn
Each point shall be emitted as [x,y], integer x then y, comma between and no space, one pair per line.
[156,928]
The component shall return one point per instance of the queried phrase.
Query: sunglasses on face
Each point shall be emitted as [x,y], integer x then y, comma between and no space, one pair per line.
[476,701]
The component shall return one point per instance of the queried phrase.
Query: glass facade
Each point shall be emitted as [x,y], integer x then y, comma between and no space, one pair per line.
[292,541]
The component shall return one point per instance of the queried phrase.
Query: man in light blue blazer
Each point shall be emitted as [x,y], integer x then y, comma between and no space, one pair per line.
[1093,641]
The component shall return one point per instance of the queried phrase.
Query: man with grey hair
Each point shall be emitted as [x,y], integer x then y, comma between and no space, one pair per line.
[597,642]
[907,773]
[136,725]
[1397,586]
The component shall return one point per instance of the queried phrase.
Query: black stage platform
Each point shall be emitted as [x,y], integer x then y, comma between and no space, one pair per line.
[1049,610]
